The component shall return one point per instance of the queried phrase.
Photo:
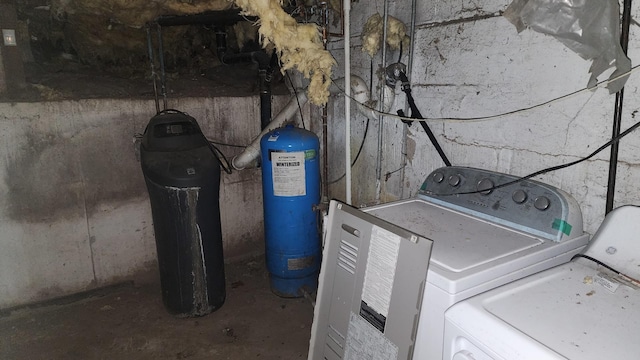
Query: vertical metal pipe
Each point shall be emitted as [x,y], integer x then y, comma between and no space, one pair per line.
[265,98]
[163,77]
[617,115]
[412,36]
[347,97]
[325,137]
[381,103]
[152,61]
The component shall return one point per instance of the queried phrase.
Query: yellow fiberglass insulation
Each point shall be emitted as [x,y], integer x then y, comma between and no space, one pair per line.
[299,45]
[372,34]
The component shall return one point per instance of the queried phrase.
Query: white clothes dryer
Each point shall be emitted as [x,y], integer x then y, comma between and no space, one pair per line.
[586,309]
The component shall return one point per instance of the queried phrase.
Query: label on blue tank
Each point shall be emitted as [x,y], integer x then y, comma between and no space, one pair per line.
[288,173]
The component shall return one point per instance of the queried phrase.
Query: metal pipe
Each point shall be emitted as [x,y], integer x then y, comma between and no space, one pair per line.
[412,36]
[220,18]
[381,118]
[265,71]
[265,90]
[347,98]
[617,115]
[152,61]
[324,118]
[163,78]
[265,98]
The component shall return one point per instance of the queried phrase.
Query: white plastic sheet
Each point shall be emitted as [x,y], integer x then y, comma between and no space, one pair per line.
[591,28]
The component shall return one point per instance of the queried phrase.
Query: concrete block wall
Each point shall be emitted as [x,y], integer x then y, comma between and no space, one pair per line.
[74,212]
[468,62]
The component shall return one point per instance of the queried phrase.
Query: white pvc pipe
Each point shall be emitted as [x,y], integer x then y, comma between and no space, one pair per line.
[347,99]
[252,151]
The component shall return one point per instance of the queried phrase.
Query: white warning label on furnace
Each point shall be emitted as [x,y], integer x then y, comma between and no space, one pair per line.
[287,170]
[364,342]
[381,269]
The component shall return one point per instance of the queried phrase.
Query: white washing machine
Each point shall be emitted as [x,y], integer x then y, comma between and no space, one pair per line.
[484,236]
[580,310]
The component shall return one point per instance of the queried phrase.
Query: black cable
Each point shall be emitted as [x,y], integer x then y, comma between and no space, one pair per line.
[226,166]
[224,162]
[227,144]
[528,108]
[364,137]
[366,129]
[596,261]
[297,99]
[553,168]
[415,114]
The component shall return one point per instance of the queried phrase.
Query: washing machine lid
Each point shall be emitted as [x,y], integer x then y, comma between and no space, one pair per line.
[571,309]
[468,251]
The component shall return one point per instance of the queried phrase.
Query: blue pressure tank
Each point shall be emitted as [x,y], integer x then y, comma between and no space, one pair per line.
[291,189]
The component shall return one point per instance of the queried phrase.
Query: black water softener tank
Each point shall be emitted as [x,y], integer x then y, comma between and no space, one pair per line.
[183,179]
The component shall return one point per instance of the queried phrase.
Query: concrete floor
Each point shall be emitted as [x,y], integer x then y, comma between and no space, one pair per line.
[130,322]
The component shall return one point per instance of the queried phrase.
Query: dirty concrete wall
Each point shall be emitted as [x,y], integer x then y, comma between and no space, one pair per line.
[74,212]
[389,133]
[469,62]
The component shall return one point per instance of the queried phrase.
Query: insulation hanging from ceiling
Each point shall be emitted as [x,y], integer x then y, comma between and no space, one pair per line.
[299,45]
[373,30]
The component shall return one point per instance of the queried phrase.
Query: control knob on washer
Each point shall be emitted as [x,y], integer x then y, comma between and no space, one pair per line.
[454,180]
[438,177]
[485,186]
[519,196]
[542,203]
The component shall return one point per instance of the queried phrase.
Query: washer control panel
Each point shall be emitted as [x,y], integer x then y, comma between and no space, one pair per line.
[525,205]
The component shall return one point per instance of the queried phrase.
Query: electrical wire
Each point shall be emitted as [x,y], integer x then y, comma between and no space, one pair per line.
[297,99]
[595,261]
[224,162]
[537,173]
[553,168]
[491,117]
[364,137]
[623,276]
[227,144]
[497,116]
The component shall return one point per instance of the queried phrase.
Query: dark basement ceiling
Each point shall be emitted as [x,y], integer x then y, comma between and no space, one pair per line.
[98,48]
